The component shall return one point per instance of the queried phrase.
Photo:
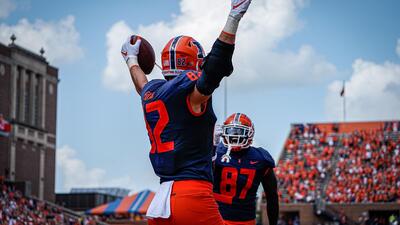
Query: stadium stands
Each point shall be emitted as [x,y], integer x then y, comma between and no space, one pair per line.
[341,163]
[340,173]
[305,163]
[367,168]
[17,209]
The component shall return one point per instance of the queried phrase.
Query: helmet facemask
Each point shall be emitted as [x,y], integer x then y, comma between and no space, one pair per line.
[237,137]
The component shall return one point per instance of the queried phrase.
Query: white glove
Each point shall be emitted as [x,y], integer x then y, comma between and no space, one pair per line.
[239,8]
[217,134]
[130,52]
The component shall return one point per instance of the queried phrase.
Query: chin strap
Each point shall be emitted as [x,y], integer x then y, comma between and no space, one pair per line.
[226,157]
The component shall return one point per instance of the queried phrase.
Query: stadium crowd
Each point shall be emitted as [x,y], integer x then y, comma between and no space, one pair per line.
[16,209]
[308,152]
[367,169]
[361,166]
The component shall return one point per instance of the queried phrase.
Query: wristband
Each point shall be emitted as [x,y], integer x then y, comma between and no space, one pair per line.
[132,61]
[231,25]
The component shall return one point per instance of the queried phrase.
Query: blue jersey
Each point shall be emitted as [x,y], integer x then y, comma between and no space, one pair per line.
[236,182]
[181,140]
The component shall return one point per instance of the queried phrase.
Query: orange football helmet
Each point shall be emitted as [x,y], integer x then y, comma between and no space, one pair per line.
[237,132]
[181,53]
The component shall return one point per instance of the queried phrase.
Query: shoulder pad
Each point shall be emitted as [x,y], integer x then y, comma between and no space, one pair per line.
[266,156]
[151,86]
[221,148]
[187,79]
[180,84]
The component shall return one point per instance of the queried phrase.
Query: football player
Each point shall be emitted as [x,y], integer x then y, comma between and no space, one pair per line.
[239,168]
[180,120]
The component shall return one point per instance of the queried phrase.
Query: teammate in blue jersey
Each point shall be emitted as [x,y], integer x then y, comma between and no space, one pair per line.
[239,169]
[180,121]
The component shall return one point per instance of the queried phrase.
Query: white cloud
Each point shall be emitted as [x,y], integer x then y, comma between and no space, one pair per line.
[372,93]
[75,173]
[398,47]
[257,59]
[59,39]
[6,7]
[115,73]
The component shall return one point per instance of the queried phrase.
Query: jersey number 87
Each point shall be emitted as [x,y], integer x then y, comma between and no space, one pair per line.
[229,178]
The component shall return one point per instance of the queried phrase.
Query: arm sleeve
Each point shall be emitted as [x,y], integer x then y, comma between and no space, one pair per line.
[217,65]
[270,186]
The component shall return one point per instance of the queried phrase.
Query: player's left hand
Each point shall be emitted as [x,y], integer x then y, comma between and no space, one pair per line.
[130,51]
[239,8]
[217,134]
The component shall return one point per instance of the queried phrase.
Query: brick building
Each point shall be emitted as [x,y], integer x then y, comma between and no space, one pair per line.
[28,100]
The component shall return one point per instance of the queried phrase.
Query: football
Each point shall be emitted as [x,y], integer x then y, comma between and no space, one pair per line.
[146,57]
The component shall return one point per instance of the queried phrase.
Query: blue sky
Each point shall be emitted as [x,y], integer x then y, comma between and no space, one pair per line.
[290,60]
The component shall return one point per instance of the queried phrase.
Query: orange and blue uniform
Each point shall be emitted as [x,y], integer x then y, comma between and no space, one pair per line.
[182,139]
[236,182]
[181,148]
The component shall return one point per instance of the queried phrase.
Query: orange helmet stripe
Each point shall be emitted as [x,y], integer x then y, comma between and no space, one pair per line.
[172,53]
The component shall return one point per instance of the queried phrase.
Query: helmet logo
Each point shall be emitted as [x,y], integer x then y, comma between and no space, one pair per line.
[200,50]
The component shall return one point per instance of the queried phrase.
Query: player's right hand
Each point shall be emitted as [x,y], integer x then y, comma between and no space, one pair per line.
[130,51]
[239,8]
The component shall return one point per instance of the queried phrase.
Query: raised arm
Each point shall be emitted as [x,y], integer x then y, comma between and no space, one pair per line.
[218,63]
[270,186]
[139,79]
[130,51]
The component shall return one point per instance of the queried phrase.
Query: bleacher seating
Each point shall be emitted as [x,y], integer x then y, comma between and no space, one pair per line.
[16,209]
[344,162]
